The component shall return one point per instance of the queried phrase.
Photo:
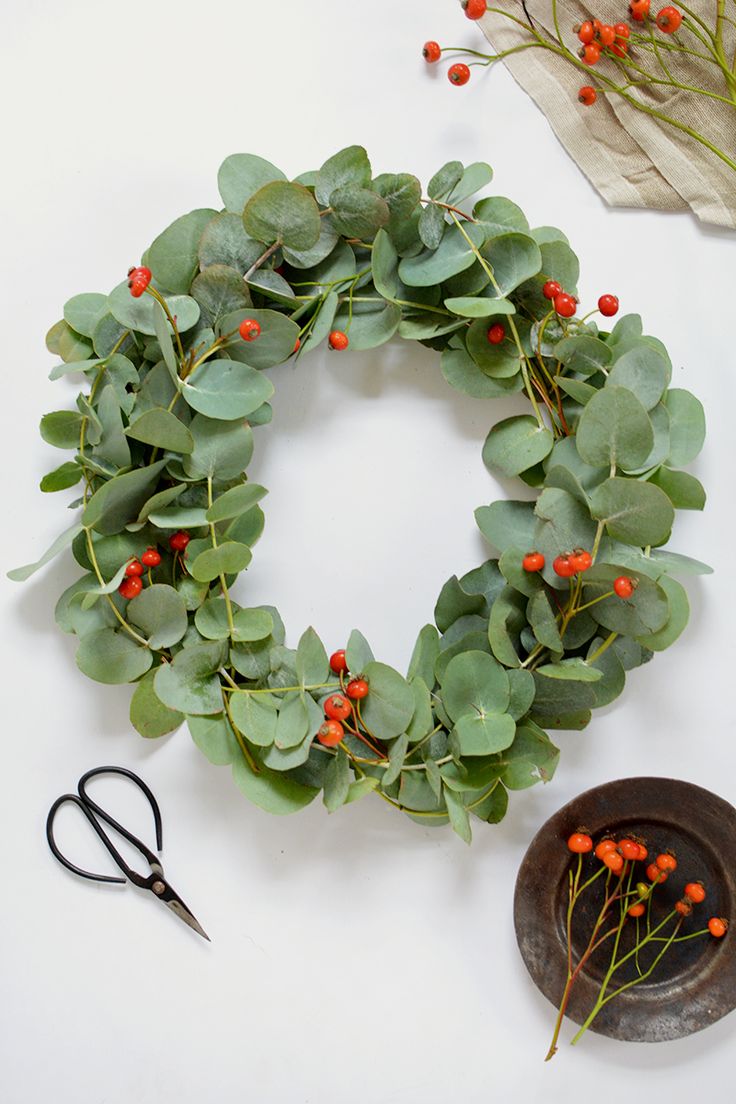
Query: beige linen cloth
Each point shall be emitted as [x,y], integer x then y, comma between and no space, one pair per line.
[632,158]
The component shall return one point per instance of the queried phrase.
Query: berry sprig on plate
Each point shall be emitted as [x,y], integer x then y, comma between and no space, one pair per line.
[175,393]
[634,925]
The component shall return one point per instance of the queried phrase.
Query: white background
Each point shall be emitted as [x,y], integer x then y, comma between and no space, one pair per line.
[354,957]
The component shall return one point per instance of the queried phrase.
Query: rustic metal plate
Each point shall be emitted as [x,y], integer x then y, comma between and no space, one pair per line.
[695,983]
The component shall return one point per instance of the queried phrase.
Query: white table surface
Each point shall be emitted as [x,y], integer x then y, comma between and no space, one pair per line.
[358,956]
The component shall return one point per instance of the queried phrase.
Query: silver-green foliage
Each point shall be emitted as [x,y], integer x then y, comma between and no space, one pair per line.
[162,435]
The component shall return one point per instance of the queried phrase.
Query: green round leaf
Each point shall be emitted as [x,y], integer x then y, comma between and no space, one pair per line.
[475,684]
[226,390]
[241,175]
[516,444]
[284,213]
[160,612]
[148,715]
[390,703]
[190,683]
[174,255]
[112,656]
[614,429]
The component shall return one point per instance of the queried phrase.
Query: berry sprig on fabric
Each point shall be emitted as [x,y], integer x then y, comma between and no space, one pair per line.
[638,61]
[174,364]
[635,924]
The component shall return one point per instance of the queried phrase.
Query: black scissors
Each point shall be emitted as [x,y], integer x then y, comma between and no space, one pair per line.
[155,881]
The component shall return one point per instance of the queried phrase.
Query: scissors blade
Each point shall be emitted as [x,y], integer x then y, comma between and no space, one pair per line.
[166,893]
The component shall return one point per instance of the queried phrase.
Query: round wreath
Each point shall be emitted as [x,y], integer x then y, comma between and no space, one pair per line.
[174,358]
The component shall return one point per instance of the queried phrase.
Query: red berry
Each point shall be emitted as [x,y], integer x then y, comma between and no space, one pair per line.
[613,861]
[587,95]
[533,561]
[431,52]
[629,849]
[297,346]
[178,541]
[138,280]
[590,53]
[607,35]
[551,289]
[581,560]
[654,874]
[496,333]
[249,329]
[338,340]
[580,843]
[330,733]
[337,707]
[608,305]
[620,49]
[565,305]
[458,73]
[683,907]
[643,853]
[135,567]
[637,910]
[561,566]
[474,9]
[151,557]
[130,588]
[695,892]
[586,32]
[718,926]
[357,689]
[666,861]
[639,10]
[623,30]
[623,586]
[604,847]
[338,662]
[669,19]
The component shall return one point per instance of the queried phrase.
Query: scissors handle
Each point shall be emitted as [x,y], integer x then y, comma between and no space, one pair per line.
[92,812]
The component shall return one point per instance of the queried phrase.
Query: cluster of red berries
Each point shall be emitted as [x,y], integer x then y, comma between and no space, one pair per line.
[338,707]
[132,584]
[566,305]
[568,564]
[597,37]
[138,280]
[615,854]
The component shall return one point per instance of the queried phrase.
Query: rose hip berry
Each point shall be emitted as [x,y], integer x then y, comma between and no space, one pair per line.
[608,305]
[357,689]
[587,95]
[606,35]
[669,19]
[474,9]
[591,54]
[695,892]
[330,733]
[151,557]
[683,907]
[629,849]
[604,847]
[338,340]
[613,861]
[459,73]
[562,566]
[135,567]
[496,333]
[179,540]
[666,861]
[580,843]
[431,52]
[581,560]
[533,561]
[131,587]
[338,662]
[654,874]
[717,926]
[637,910]
[623,586]
[586,32]
[639,10]
[337,707]
[138,280]
[565,305]
[249,329]
[551,289]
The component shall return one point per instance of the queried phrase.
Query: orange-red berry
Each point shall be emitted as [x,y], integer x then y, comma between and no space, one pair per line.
[613,861]
[138,280]
[580,843]
[637,910]
[586,32]
[338,662]
[683,907]
[338,340]
[135,567]
[629,849]
[151,557]
[551,288]
[431,52]
[330,733]
[606,35]
[249,329]
[654,874]
[562,566]
[565,304]
[604,847]
[581,560]
[357,689]
[474,9]
[131,587]
[496,333]
[459,73]
[587,95]
[591,53]
[669,19]
[639,10]
[608,305]
[623,586]
[666,861]
[178,541]
[695,892]
[533,561]
[718,926]
[337,707]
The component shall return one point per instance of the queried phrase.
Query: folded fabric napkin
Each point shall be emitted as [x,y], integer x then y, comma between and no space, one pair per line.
[632,158]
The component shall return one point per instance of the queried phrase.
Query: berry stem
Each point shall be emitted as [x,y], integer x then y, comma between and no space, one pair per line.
[604,646]
[103,582]
[223,584]
[150,290]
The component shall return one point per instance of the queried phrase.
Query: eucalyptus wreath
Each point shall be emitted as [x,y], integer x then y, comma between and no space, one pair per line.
[174,365]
